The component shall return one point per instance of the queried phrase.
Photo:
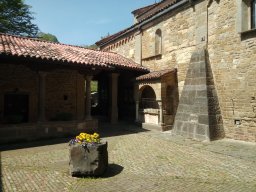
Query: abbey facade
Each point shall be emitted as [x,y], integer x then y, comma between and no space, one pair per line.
[202,60]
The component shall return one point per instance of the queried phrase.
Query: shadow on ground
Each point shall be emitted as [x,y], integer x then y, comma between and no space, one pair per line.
[113,170]
[105,130]
[1,182]
[28,144]
[121,128]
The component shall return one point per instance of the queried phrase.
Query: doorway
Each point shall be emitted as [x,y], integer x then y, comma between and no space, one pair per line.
[16,108]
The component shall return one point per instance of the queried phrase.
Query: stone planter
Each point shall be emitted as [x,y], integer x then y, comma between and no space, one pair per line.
[91,160]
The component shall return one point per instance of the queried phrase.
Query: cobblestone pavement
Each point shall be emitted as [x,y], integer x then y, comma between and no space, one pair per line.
[139,161]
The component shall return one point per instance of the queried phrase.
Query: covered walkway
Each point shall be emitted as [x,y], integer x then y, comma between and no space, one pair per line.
[45,88]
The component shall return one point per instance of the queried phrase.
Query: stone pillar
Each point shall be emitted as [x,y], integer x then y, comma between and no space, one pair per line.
[160,112]
[88,97]
[114,93]
[136,99]
[80,99]
[198,115]
[137,111]
[41,97]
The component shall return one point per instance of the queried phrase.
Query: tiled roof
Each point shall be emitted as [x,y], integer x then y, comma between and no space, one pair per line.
[25,47]
[155,74]
[144,9]
[143,15]
[160,7]
[108,38]
[137,12]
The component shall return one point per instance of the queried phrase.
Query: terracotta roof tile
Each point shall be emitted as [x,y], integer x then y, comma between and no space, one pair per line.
[155,74]
[143,9]
[109,38]
[160,7]
[34,48]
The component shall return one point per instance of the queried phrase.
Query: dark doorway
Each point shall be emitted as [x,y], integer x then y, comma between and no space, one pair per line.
[100,109]
[16,108]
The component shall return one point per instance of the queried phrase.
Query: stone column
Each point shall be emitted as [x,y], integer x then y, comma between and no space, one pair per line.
[160,112]
[88,98]
[41,96]
[137,111]
[114,93]
[136,99]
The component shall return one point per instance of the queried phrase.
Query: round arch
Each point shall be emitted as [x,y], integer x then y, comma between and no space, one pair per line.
[147,97]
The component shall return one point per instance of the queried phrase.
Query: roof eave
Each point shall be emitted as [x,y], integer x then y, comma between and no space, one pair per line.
[138,26]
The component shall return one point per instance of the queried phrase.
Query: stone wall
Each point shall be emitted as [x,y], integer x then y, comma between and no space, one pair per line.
[124,46]
[232,57]
[19,79]
[170,98]
[198,115]
[154,84]
[34,131]
[178,31]
[64,93]
[64,90]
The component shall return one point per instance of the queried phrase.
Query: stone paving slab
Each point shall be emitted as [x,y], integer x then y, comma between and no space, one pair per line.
[139,161]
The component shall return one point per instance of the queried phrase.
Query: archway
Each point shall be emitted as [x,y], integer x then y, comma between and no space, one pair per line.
[148,98]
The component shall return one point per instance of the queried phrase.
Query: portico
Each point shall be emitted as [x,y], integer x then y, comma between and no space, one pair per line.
[56,93]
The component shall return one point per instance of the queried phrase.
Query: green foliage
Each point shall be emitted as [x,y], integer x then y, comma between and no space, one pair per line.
[94,47]
[94,86]
[47,37]
[15,18]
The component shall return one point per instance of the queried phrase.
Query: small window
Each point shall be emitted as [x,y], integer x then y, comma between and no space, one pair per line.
[158,42]
[247,15]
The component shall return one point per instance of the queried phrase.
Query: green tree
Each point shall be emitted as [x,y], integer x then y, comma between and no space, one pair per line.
[94,46]
[47,37]
[94,86]
[15,18]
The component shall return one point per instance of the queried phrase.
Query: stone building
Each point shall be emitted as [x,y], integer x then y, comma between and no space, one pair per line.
[201,55]
[43,92]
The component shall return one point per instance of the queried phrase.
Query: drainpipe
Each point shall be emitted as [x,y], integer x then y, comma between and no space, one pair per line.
[207,23]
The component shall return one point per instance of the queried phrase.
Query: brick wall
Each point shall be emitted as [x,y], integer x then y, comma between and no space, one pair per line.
[64,90]
[64,93]
[18,79]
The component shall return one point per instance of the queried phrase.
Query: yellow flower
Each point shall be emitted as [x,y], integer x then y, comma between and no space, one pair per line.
[95,137]
[79,138]
[82,135]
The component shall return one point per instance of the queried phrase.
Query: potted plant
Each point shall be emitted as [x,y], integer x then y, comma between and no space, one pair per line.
[88,156]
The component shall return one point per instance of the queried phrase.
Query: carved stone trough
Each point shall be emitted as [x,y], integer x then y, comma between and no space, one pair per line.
[88,160]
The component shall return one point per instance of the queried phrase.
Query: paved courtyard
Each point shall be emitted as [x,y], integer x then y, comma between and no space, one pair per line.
[139,160]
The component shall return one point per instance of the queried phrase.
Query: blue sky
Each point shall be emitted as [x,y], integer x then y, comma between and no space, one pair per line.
[83,22]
